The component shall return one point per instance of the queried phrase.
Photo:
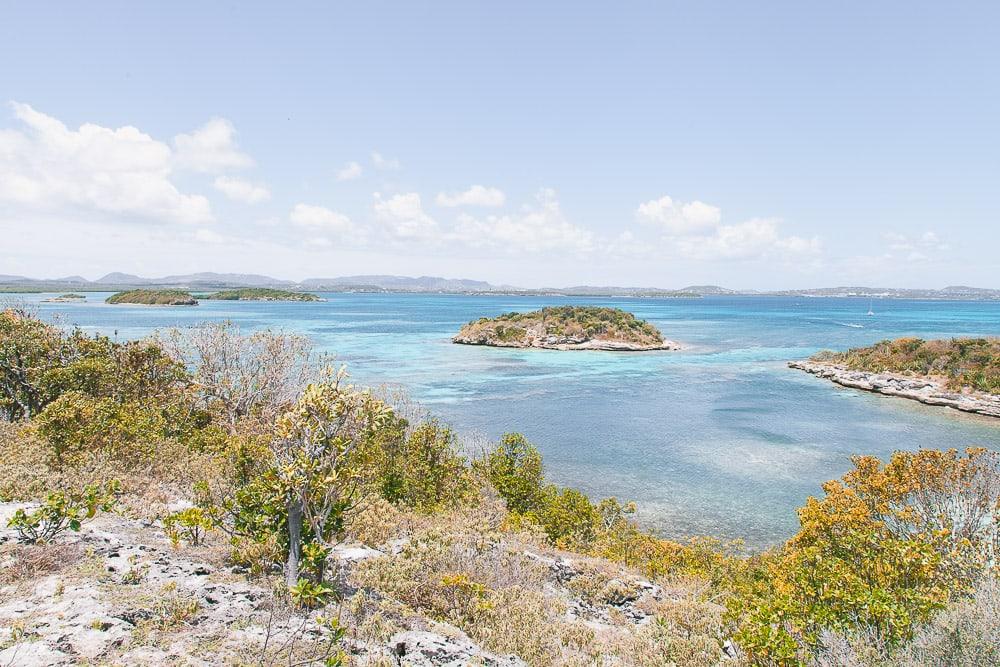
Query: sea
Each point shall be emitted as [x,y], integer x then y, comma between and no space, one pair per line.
[721,438]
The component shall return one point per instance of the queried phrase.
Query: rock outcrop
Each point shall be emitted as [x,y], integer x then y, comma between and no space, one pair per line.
[418,648]
[119,593]
[927,390]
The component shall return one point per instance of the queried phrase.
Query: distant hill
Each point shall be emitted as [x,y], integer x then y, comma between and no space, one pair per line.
[709,290]
[206,279]
[975,293]
[400,283]
[121,279]
[117,281]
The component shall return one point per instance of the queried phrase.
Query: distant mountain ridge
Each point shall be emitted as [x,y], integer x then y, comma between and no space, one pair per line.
[422,283]
[207,279]
[116,281]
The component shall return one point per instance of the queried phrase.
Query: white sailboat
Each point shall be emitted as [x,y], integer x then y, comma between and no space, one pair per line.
[871,313]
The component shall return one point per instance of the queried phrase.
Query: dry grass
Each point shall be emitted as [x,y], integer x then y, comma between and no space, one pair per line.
[146,488]
[965,634]
[21,563]
[466,569]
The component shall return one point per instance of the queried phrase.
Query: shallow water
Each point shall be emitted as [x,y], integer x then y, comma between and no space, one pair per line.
[721,438]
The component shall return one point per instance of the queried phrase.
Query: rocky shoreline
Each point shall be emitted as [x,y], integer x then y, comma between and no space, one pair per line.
[927,390]
[568,343]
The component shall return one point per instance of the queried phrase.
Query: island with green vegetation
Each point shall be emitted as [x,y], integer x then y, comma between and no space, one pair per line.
[566,328]
[260,294]
[153,297]
[960,373]
[66,298]
[213,493]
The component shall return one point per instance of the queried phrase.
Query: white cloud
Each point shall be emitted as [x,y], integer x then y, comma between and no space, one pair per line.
[349,172]
[383,163]
[403,217]
[754,239]
[208,236]
[320,218]
[122,173]
[679,218]
[538,227]
[239,190]
[917,248]
[694,230]
[928,240]
[477,195]
[211,148]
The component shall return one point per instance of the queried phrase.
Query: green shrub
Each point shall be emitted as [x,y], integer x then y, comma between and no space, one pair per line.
[190,525]
[61,512]
[514,469]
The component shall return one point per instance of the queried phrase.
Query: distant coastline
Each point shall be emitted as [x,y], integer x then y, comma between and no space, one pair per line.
[202,282]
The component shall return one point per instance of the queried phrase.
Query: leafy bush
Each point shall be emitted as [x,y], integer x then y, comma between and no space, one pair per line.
[61,512]
[880,553]
[514,469]
[190,525]
[29,350]
[77,423]
[432,474]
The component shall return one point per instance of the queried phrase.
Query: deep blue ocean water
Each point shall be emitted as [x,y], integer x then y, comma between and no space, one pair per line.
[721,438]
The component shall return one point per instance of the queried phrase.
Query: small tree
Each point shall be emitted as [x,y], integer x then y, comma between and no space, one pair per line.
[258,374]
[316,447]
[29,348]
[514,469]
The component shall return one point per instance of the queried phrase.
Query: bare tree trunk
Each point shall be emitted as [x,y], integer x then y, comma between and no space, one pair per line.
[294,541]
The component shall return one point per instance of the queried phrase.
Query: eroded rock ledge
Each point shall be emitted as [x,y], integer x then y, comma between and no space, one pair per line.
[569,343]
[927,390]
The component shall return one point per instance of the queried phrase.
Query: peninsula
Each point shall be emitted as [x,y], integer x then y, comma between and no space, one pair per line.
[961,373]
[153,297]
[566,328]
[260,294]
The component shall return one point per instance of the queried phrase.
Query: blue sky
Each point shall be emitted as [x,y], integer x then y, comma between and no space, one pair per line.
[758,145]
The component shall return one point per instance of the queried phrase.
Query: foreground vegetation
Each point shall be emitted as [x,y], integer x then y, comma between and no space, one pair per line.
[283,460]
[260,294]
[154,297]
[561,325]
[966,363]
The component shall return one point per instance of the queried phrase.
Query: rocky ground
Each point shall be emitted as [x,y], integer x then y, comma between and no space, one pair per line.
[928,390]
[118,593]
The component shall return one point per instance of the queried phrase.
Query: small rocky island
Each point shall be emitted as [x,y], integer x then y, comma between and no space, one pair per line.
[260,294]
[961,373]
[153,297]
[566,328]
[66,298]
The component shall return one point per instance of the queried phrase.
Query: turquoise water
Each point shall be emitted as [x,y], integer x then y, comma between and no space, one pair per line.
[721,438]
